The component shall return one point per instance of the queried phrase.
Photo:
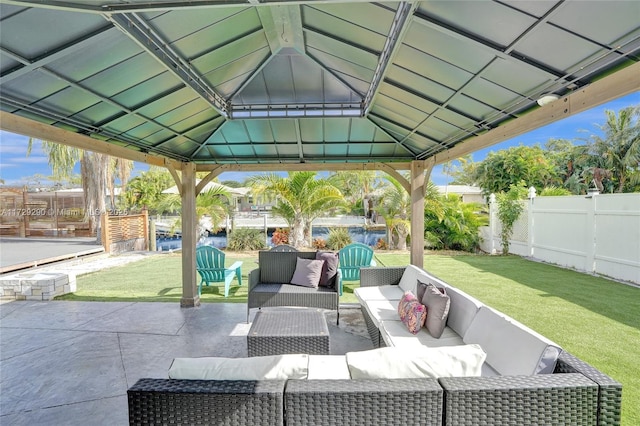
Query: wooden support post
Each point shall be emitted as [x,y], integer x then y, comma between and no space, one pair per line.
[417,212]
[190,296]
[147,236]
[106,238]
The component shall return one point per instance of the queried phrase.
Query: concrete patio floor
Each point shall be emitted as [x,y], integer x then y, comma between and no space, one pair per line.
[71,363]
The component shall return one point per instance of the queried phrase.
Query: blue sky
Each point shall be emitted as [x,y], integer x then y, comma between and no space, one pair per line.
[16,167]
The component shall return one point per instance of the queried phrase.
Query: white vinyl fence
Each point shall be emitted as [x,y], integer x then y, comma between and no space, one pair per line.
[598,233]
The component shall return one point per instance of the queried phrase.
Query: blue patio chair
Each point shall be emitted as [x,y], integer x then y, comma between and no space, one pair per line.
[210,266]
[353,257]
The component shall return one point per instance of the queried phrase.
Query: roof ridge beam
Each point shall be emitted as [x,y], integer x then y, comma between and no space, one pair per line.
[391,45]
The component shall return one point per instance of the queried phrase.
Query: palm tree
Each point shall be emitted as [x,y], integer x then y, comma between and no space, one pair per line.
[619,150]
[357,187]
[94,170]
[145,190]
[301,198]
[395,208]
[120,169]
[213,204]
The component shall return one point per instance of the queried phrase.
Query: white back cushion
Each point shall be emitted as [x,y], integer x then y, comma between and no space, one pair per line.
[290,366]
[420,361]
[512,348]
[328,367]
[410,276]
[462,310]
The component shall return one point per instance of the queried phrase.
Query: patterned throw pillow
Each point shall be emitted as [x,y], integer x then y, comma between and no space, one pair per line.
[412,313]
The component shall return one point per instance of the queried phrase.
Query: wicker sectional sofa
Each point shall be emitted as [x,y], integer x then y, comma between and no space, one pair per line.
[555,387]
[526,379]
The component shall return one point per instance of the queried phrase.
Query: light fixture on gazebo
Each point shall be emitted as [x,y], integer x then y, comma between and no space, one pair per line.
[547,98]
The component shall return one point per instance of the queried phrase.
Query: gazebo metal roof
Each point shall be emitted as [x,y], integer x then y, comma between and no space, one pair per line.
[216,85]
[280,82]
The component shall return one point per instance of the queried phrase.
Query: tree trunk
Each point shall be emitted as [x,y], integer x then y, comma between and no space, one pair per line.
[93,169]
[296,235]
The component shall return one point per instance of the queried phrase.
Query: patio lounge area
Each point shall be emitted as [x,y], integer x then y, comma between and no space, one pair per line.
[71,363]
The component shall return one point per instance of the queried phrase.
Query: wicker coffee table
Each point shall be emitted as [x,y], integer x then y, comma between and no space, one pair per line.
[291,331]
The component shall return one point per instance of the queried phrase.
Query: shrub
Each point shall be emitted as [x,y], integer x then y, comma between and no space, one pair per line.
[319,244]
[382,244]
[510,206]
[554,191]
[280,236]
[338,238]
[245,239]
[454,226]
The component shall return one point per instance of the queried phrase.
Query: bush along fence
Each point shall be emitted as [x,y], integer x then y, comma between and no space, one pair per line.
[597,233]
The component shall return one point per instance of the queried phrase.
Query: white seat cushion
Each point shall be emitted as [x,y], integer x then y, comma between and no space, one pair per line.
[395,333]
[512,348]
[383,292]
[328,367]
[380,310]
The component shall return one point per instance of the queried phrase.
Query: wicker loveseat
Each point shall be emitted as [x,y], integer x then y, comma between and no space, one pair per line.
[269,284]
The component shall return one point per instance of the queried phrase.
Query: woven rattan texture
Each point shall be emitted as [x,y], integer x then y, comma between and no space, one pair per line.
[609,392]
[378,276]
[278,267]
[290,331]
[363,402]
[374,333]
[269,295]
[206,402]
[546,399]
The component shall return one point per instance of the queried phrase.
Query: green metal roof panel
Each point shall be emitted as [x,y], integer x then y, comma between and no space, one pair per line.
[490,21]
[305,81]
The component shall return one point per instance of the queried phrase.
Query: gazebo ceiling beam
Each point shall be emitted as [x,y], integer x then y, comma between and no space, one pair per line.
[391,45]
[35,129]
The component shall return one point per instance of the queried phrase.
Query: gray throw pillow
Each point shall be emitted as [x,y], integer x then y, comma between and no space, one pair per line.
[329,267]
[437,302]
[421,288]
[307,272]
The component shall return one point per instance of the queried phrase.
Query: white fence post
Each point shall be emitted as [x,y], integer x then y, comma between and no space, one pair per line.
[590,249]
[530,222]
[492,224]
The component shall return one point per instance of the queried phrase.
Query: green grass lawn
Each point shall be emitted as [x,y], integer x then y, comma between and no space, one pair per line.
[594,318]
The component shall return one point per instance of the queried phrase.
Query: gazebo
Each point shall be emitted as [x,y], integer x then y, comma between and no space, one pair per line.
[229,85]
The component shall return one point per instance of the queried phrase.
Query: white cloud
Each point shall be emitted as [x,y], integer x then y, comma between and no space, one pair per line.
[32,159]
